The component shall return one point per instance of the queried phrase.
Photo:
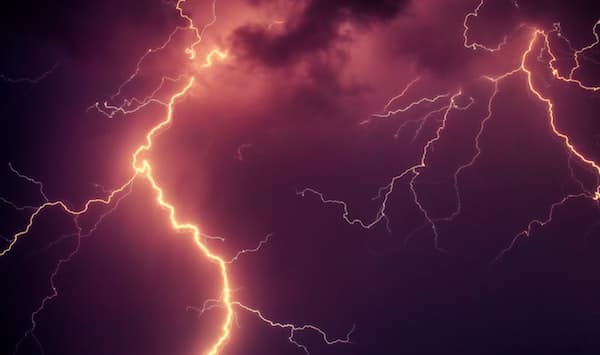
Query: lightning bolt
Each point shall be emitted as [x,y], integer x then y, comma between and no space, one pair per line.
[576,54]
[536,35]
[142,169]
[72,211]
[79,235]
[474,45]
[413,171]
[292,329]
[573,151]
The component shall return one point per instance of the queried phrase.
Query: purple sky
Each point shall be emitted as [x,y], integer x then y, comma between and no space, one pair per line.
[449,258]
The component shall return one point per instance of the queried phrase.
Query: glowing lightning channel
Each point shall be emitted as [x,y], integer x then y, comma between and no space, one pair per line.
[198,33]
[527,231]
[414,171]
[536,34]
[79,235]
[475,45]
[401,94]
[129,106]
[579,52]
[143,169]
[576,54]
[421,123]
[74,212]
[478,151]
[250,251]
[212,303]
[134,104]
[215,52]
[293,329]
[406,108]
[550,105]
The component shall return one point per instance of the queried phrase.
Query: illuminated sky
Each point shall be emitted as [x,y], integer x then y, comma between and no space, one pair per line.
[290,177]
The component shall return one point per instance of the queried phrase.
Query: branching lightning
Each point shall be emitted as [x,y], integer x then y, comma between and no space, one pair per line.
[536,35]
[142,170]
[450,101]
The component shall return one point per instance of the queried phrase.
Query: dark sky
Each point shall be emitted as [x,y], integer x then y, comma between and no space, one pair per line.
[286,111]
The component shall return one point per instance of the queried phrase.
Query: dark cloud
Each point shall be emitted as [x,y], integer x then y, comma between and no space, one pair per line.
[314,30]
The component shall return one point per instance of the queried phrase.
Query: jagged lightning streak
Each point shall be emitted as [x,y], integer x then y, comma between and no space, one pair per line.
[132,105]
[61,262]
[573,151]
[536,34]
[28,80]
[414,171]
[29,179]
[198,33]
[388,189]
[114,198]
[208,61]
[142,169]
[475,45]
[406,108]
[527,231]
[421,123]
[72,211]
[473,159]
[580,52]
[401,94]
[211,304]
[249,251]
[39,184]
[293,329]
[576,54]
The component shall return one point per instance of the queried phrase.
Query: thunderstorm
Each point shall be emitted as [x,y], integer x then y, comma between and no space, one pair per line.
[300,177]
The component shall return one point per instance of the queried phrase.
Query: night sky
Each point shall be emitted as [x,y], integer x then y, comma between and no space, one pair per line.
[404,177]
